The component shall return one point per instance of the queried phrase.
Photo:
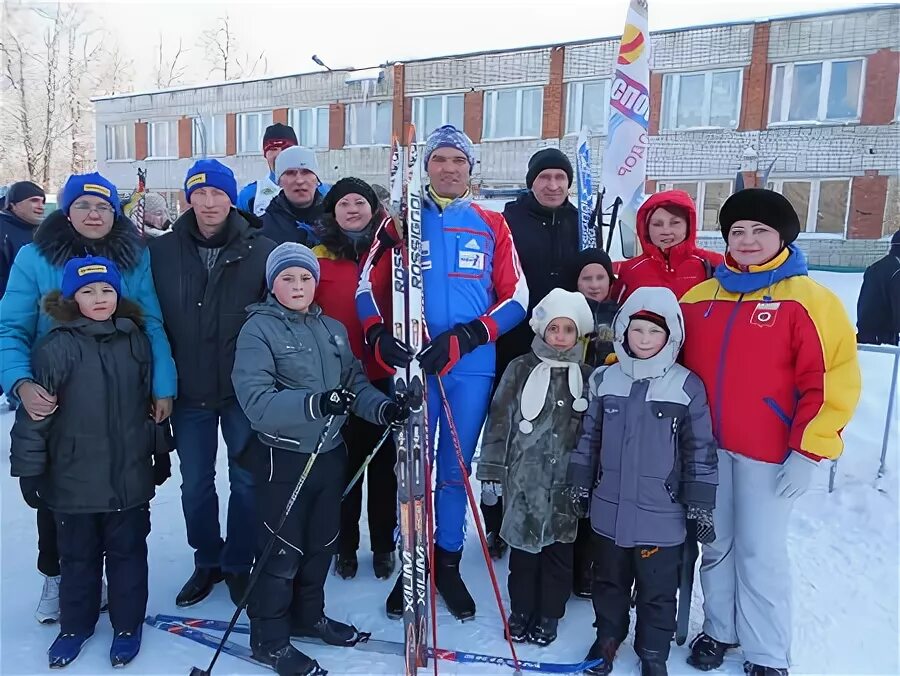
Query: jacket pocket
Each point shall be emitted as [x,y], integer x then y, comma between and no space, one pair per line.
[778,411]
[470,255]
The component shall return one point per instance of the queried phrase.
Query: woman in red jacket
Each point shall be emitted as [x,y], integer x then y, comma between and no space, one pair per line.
[351,217]
[667,229]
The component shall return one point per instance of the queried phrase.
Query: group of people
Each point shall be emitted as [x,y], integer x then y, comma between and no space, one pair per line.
[623,407]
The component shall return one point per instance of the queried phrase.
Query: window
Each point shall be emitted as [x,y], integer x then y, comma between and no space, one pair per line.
[513,113]
[250,130]
[431,112]
[817,92]
[369,124]
[311,125]
[208,135]
[587,106]
[120,142]
[162,140]
[829,196]
[711,99]
[708,196]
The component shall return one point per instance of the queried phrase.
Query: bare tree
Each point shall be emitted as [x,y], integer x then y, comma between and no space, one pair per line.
[220,47]
[169,72]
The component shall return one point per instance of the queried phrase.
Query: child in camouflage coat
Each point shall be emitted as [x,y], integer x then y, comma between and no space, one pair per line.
[531,429]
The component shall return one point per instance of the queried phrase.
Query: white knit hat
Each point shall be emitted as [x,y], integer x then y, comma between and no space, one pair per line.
[560,303]
[296,157]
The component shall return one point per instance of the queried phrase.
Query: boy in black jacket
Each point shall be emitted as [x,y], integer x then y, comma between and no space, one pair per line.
[94,460]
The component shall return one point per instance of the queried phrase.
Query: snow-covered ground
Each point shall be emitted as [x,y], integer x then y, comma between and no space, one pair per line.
[845,568]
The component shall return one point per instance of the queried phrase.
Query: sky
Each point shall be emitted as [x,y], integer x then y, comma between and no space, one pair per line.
[363,34]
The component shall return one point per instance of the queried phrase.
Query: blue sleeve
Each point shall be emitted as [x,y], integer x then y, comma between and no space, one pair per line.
[247,193]
[165,380]
[19,312]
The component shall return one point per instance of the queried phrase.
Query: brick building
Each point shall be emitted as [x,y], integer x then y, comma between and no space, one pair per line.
[816,94]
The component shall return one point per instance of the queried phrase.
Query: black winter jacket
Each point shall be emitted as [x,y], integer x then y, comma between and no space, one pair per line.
[878,307]
[204,309]
[14,234]
[94,453]
[283,222]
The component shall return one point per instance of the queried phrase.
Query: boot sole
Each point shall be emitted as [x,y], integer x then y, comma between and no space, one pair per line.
[195,601]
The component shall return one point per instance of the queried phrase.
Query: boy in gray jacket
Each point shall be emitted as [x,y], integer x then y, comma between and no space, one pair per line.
[293,370]
[645,462]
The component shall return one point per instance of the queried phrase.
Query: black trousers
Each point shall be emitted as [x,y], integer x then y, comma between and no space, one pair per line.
[539,584]
[655,572]
[84,540]
[360,436]
[291,588]
[584,556]
[48,551]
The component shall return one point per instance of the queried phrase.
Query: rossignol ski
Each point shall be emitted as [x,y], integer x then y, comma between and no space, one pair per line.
[586,228]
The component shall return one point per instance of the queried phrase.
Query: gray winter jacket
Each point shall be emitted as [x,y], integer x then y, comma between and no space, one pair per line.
[646,446]
[284,360]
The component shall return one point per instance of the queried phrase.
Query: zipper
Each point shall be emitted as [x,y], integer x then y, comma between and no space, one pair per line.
[720,375]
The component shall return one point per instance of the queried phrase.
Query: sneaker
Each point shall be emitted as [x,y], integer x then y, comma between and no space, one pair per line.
[125,647]
[383,564]
[346,565]
[751,669]
[48,607]
[519,626]
[66,648]
[543,633]
[707,653]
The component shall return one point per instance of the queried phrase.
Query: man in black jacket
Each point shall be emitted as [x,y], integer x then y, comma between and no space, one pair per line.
[23,213]
[206,272]
[878,307]
[294,214]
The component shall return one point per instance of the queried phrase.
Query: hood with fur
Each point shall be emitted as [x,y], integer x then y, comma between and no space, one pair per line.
[65,310]
[58,241]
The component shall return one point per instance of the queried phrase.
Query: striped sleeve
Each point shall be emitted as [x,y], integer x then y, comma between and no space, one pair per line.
[507,278]
[386,238]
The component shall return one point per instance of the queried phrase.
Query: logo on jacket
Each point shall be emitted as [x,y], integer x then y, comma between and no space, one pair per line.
[765,314]
[471,260]
[473,245]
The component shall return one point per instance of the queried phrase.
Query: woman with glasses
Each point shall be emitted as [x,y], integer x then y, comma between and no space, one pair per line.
[89,222]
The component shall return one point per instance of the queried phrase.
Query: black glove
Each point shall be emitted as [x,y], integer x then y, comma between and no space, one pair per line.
[162,468]
[581,500]
[394,412]
[701,519]
[389,352]
[31,486]
[442,353]
[332,402]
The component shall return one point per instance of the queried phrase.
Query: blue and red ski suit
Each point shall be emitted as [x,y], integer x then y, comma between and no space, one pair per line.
[470,271]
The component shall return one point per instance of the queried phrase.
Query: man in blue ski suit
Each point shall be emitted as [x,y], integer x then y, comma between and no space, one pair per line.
[474,291]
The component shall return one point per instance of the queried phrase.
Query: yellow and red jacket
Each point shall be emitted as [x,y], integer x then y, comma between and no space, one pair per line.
[777,354]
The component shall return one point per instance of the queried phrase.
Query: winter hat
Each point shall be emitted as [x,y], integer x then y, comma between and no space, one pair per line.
[79,185]
[651,317]
[23,190]
[562,303]
[154,203]
[548,158]
[449,136]
[580,261]
[278,136]
[349,186]
[764,206]
[296,157]
[210,174]
[80,272]
[289,255]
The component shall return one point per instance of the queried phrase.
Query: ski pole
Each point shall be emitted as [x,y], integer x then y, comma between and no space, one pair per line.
[263,558]
[369,458]
[429,507]
[454,435]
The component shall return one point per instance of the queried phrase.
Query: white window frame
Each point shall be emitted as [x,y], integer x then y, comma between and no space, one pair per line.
[294,121]
[489,126]
[211,124]
[808,230]
[672,85]
[170,128]
[351,133]
[130,151]
[575,101]
[418,110]
[700,202]
[824,86]
[264,118]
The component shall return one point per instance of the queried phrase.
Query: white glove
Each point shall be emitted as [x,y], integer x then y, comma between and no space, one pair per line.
[491,492]
[795,476]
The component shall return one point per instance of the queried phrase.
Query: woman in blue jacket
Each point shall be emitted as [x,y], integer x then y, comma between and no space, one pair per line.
[88,223]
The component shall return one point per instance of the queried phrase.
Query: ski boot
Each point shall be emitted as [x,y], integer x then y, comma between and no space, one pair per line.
[47,611]
[451,586]
[346,565]
[393,606]
[605,649]
[125,647]
[751,669]
[331,632]
[383,564]
[66,648]
[543,633]
[707,653]
[653,662]
[519,626]
[288,661]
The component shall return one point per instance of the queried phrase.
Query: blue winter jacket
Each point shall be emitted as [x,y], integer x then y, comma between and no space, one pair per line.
[38,269]
[247,195]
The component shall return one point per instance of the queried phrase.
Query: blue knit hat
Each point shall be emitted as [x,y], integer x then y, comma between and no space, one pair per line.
[288,255]
[92,184]
[210,174]
[80,272]
[449,136]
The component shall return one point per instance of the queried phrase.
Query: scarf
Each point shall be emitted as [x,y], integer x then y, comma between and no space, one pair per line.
[534,394]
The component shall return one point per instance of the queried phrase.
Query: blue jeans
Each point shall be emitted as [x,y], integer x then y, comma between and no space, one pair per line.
[197,441]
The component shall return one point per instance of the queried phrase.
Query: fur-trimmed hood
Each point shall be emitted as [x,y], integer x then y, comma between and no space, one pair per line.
[58,241]
[343,247]
[65,310]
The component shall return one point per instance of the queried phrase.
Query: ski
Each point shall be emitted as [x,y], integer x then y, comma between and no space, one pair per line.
[585,191]
[378,646]
[686,588]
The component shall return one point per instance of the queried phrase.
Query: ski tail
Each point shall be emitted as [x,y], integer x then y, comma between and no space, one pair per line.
[690,552]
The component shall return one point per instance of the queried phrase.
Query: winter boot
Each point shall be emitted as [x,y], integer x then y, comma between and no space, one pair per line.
[603,649]
[198,587]
[751,669]
[707,653]
[346,565]
[288,661]
[519,626]
[496,546]
[66,648]
[104,598]
[393,606]
[653,662]
[451,586]
[383,564]
[47,611]
[331,632]
[237,586]
[543,633]
[125,647]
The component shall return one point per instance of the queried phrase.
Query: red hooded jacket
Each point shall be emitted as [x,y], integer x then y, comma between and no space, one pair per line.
[682,267]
